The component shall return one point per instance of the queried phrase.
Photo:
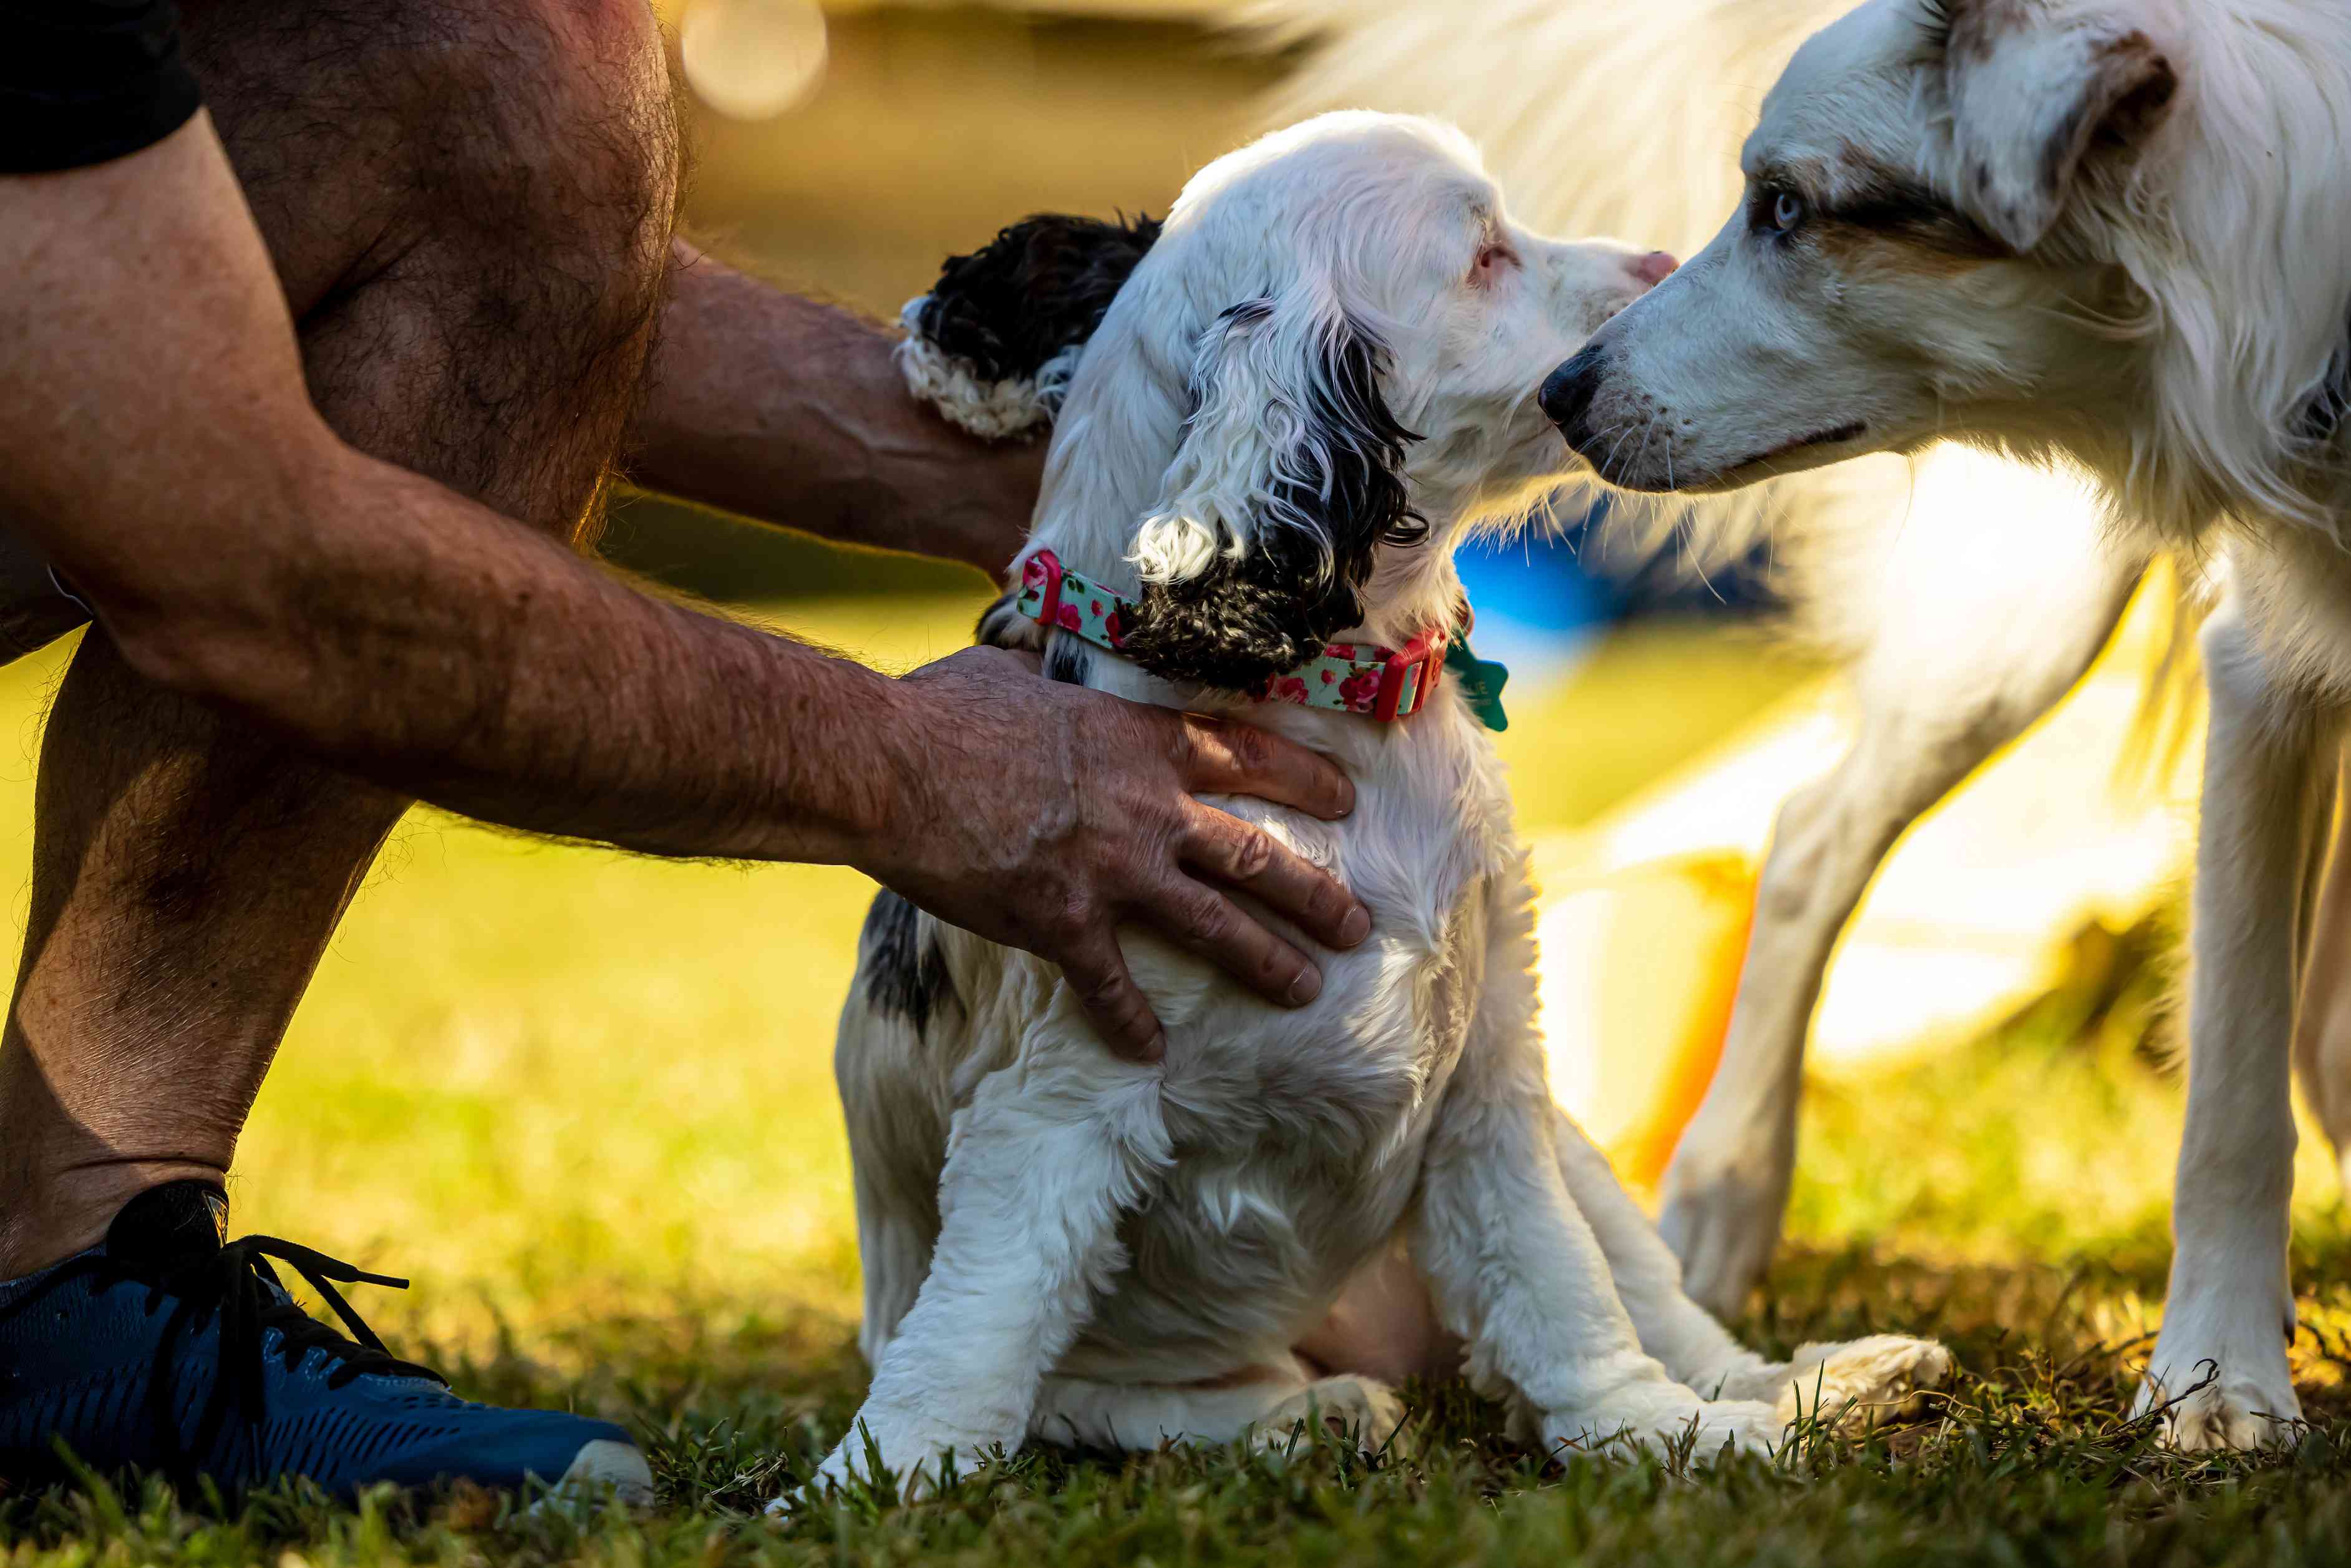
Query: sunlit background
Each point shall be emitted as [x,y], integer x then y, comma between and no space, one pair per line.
[560,1087]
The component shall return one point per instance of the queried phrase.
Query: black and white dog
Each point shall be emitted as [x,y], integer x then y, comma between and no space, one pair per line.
[1305,390]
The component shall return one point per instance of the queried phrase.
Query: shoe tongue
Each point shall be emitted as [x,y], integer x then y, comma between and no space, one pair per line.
[179,1223]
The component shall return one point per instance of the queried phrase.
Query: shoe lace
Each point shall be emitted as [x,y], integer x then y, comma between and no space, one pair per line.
[238,1285]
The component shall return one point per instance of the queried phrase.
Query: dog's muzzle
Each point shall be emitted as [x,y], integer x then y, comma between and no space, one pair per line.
[1567,394]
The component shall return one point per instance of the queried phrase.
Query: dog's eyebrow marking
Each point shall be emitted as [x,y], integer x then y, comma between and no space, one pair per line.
[904,977]
[1875,196]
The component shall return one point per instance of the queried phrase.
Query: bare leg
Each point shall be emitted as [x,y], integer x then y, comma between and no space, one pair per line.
[1939,695]
[472,235]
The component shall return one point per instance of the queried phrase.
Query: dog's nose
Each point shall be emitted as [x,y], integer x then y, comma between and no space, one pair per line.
[1567,392]
[1655,268]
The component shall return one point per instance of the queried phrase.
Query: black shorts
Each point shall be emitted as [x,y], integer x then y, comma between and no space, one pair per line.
[81,82]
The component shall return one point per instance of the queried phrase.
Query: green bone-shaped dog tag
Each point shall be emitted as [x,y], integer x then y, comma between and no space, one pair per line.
[1482,681]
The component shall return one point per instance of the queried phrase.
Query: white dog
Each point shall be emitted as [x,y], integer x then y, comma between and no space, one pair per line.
[1316,378]
[2115,233]
[1965,592]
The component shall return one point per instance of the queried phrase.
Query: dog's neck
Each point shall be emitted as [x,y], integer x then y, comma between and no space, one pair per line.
[1088,514]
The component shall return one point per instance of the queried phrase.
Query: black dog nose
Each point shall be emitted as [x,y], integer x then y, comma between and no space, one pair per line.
[1567,392]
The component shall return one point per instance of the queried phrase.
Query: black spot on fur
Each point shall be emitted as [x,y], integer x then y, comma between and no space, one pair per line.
[1068,662]
[905,975]
[1240,622]
[1039,287]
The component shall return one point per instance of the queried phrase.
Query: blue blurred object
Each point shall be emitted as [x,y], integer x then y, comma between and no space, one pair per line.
[1540,608]
[1539,611]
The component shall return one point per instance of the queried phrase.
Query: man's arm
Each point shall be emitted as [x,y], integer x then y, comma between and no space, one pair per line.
[156,441]
[791,411]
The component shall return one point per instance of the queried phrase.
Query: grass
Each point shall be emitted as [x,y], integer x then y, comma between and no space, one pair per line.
[584,1102]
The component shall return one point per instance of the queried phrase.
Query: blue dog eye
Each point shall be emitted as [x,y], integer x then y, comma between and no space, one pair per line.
[1787,212]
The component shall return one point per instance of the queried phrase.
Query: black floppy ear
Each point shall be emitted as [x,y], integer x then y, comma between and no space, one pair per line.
[2037,93]
[1290,476]
[992,344]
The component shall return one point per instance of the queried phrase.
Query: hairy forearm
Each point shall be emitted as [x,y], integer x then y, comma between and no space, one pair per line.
[561,700]
[791,411]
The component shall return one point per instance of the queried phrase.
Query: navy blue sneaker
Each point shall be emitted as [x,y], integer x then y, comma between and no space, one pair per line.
[167,1348]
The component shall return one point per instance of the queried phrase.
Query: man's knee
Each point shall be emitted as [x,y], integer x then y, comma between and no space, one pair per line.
[471,205]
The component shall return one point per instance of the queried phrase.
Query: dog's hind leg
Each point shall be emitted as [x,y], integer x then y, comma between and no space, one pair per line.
[1964,660]
[897,1219]
[1513,1262]
[1855,1384]
[889,1063]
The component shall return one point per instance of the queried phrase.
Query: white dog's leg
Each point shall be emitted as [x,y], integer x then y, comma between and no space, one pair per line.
[2230,1313]
[1039,1166]
[1512,1262]
[1942,688]
[1856,1384]
[1267,1409]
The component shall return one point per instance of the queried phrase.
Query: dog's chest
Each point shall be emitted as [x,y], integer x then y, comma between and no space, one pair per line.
[1292,1172]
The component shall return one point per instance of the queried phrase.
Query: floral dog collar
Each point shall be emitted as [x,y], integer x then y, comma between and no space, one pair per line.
[1345,677]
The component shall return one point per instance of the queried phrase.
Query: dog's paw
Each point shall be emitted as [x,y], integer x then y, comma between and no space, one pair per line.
[1666,1418]
[1853,1385]
[1359,1409]
[2216,1402]
[908,1453]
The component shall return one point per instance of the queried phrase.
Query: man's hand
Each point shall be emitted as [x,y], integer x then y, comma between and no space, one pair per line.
[1043,816]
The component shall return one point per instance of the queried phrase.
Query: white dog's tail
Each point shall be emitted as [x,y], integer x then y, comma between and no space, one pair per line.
[1596,116]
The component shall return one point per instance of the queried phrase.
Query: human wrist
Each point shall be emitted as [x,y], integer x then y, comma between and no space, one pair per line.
[884,801]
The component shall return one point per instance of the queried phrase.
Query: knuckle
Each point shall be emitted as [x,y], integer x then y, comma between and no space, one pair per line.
[1188,741]
[1208,922]
[1252,748]
[1111,996]
[1072,922]
[1253,855]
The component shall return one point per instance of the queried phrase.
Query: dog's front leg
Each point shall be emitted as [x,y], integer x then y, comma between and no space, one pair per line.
[1039,1166]
[2230,1313]
[1512,1262]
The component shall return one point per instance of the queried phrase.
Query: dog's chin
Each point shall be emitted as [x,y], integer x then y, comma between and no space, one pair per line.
[1650,475]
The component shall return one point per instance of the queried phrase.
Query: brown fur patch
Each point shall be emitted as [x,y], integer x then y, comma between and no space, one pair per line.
[1978,26]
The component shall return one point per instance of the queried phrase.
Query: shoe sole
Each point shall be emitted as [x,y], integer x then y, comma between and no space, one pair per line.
[604,1465]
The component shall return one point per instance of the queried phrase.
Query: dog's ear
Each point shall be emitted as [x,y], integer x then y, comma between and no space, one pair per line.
[992,344]
[2037,91]
[1289,475]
